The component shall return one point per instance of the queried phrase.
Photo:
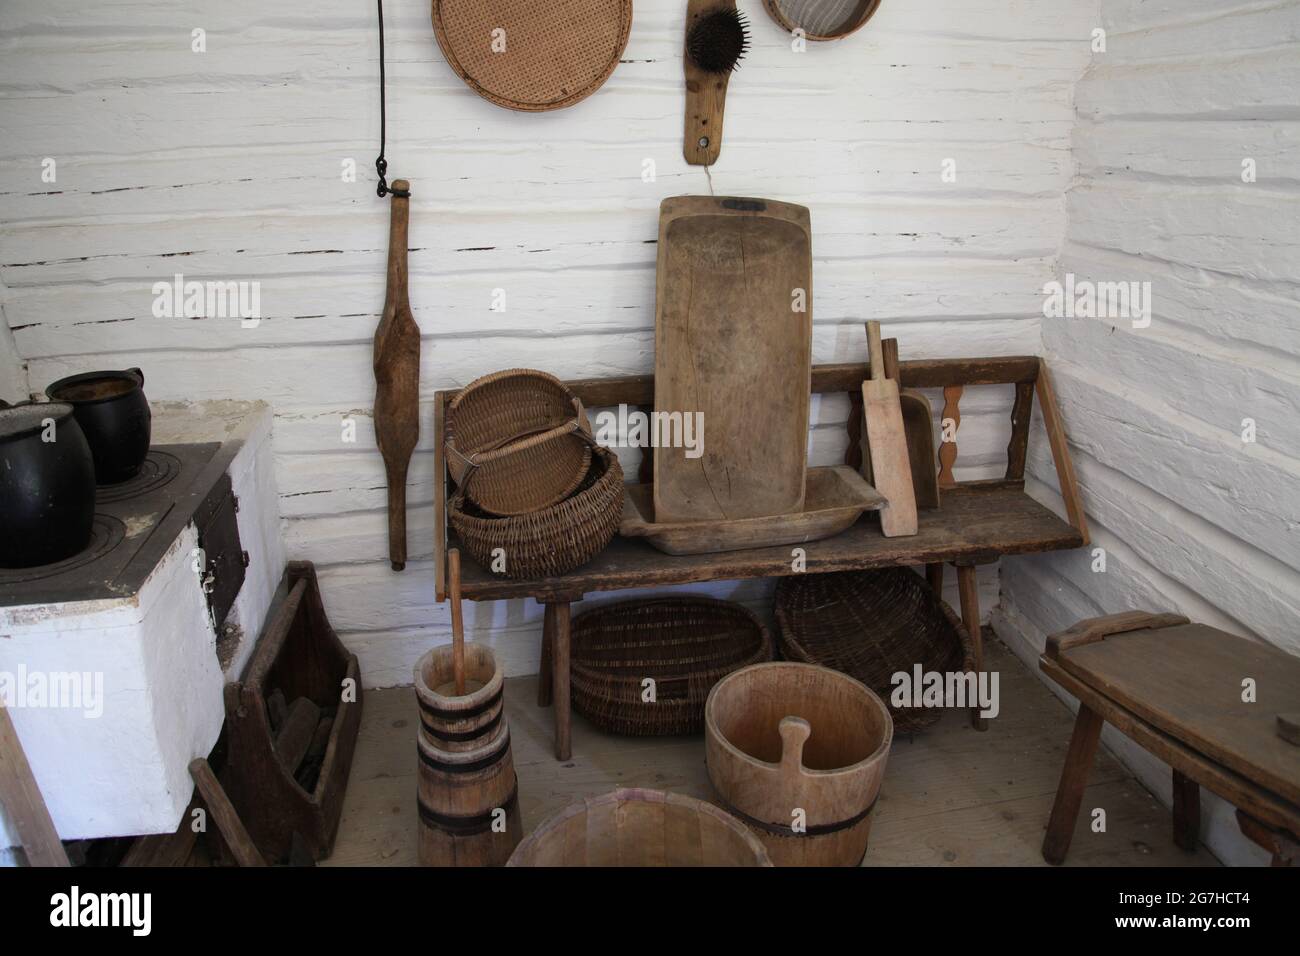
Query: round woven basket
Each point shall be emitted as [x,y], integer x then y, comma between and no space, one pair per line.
[872,625]
[684,644]
[554,540]
[517,441]
[822,19]
[532,55]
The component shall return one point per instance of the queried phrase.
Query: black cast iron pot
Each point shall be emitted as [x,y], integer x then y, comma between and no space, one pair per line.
[47,485]
[114,414]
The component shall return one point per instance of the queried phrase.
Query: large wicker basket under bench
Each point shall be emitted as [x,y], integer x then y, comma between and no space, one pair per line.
[980,521]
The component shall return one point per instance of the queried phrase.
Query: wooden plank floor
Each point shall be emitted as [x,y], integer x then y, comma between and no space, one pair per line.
[951,796]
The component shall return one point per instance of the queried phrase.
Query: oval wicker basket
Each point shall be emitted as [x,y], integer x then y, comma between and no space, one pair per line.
[554,540]
[685,644]
[871,625]
[517,441]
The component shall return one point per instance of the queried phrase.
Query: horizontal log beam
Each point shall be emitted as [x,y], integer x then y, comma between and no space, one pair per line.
[918,373]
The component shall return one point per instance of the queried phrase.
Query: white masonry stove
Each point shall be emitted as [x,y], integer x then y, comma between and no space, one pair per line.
[113,661]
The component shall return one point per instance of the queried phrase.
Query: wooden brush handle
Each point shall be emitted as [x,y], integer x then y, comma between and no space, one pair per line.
[706,96]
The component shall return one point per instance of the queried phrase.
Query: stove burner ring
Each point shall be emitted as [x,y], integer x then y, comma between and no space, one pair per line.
[157,470]
[105,535]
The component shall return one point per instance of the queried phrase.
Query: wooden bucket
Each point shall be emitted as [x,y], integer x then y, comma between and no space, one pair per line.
[466,723]
[468,804]
[798,753]
[640,828]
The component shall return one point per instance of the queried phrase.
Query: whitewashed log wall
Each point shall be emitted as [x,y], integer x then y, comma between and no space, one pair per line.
[13,371]
[228,165]
[1191,517]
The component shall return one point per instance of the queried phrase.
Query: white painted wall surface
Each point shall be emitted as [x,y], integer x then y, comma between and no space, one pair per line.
[227,165]
[13,370]
[1192,518]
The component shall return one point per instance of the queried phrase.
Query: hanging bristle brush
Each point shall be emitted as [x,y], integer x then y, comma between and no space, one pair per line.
[717,37]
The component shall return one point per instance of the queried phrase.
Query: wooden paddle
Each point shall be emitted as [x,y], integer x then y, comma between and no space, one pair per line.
[457,622]
[886,439]
[918,426]
[397,379]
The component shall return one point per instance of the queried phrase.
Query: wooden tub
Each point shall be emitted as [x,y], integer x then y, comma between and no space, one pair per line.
[640,828]
[798,753]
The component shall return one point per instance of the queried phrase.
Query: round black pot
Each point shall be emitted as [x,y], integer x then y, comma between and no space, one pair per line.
[47,485]
[114,414]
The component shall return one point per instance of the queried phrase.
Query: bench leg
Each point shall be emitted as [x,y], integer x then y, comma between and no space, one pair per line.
[970,617]
[934,576]
[561,697]
[1187,812]
[1074,778]
[544,670]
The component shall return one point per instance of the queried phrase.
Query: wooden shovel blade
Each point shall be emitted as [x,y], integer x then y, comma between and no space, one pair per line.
[918,424]
[890,465]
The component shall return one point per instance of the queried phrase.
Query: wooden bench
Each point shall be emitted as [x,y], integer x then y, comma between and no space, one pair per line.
[980,521]
[1212,705]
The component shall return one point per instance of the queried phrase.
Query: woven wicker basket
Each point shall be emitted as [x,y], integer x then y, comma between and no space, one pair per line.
[871,625]
[685,644]
[517,441]
[554,540]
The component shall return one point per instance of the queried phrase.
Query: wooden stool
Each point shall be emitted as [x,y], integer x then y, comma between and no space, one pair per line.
[1175,689]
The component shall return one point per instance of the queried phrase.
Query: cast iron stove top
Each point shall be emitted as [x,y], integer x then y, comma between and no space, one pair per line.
[136,521]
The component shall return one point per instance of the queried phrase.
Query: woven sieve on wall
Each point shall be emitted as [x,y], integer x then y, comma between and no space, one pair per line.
[531,55]
[822,19]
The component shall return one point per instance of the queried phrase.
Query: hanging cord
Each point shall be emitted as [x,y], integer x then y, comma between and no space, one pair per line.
[381,164]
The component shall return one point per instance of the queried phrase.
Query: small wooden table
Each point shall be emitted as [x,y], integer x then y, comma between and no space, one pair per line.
[1205,702]
[979,522]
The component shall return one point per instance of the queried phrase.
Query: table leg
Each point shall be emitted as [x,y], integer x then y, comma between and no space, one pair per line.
[970,617]
[1074,778]
[1283,847]
[1187,812]
[544,670]
[560,681]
